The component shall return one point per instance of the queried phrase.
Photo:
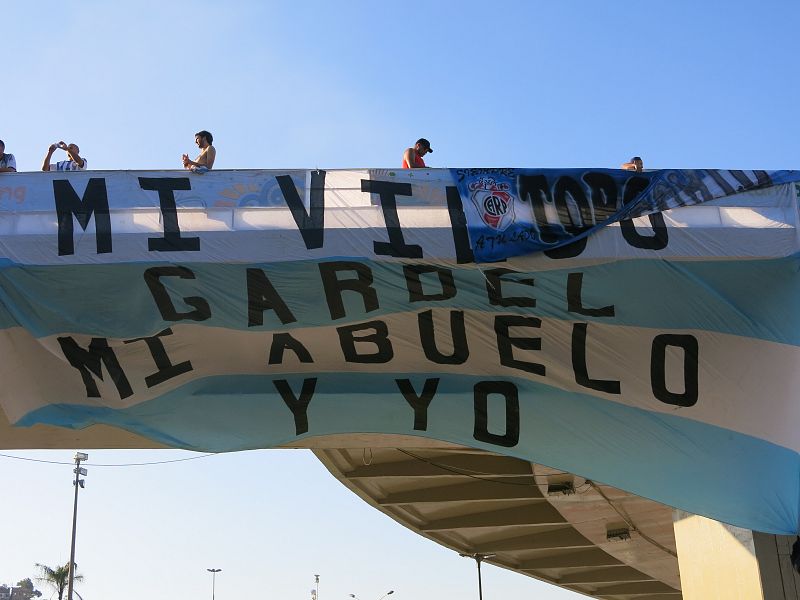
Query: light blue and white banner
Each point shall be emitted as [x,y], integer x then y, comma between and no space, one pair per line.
[654,347]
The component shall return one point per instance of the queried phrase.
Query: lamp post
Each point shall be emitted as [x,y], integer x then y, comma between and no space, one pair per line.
[213,580]
[479,558]
[78,483]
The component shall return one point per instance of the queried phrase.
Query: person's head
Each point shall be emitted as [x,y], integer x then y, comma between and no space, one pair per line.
[422,147]
[73,150]
[638,164]
[2,147]
[203,139]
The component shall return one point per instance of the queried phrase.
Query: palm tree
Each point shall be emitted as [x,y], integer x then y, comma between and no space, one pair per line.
[57,578]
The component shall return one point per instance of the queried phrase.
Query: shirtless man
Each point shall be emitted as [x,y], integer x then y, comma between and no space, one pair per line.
[205,160]
[634,164]
[412,157]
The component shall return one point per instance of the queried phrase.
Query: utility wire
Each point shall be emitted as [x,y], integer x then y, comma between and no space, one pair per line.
[90,464]
[588,486]
[630,523]
[477,474]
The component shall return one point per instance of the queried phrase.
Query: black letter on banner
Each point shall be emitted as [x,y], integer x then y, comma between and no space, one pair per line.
[414,284]
[458,335]
[727,188]
[458,223]
[575,303]
[506,344]
[172,240]
[534,188]
[387,190]
[261,296]
[166,370]
[763,178]
[334,286]
[481,433]
[152,277]
[90,362]
[579,367]
[94,201]
[570,250]
[299,407]
[745,183]
[495,291]
[312,223]
[605,195]
[567,185]
[660,237]
[420,403]
[691,367]
[380,338]
[284,341]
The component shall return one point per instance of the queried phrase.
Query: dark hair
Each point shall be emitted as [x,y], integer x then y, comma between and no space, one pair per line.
[205,134]
[2,143]
[635,158]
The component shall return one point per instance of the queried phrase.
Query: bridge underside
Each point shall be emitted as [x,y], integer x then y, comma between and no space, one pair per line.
[477,502]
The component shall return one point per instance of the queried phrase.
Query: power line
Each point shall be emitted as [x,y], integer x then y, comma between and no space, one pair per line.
[141,464]
[477,474]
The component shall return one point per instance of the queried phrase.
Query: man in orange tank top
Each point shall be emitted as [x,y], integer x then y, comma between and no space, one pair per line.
[412,157]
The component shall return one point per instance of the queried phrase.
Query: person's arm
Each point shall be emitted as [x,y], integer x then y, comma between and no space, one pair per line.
[410,156]
[211,154]
[46,163]
[76,158]
[188,163]
[12,165]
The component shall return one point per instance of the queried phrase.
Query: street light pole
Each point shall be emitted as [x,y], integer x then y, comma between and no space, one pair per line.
[213,580]
[479,558]
[78,483]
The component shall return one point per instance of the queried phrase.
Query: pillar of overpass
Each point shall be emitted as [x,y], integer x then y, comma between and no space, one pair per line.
[722,562]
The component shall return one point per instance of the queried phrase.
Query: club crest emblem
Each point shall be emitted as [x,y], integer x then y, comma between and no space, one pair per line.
[494,202]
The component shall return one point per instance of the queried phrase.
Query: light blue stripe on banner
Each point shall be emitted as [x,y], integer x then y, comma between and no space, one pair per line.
[756,299]
[728,476]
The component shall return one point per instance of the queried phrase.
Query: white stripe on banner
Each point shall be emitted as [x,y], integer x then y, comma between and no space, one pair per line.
[734,391]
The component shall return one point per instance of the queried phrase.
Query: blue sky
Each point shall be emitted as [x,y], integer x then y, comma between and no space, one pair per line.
[351,84]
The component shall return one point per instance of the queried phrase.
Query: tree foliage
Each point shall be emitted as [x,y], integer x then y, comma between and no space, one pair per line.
[24,590]
[57,578]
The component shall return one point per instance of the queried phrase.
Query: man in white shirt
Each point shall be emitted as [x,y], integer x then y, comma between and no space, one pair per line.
[8,163]
[74,161]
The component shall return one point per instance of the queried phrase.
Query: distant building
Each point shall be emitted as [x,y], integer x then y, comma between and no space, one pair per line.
[5,592]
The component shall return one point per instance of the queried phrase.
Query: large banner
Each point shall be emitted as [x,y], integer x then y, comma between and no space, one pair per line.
[652,346]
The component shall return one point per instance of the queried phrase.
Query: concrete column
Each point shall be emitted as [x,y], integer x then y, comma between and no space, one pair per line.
[778,579]
[722,562]
[716,561]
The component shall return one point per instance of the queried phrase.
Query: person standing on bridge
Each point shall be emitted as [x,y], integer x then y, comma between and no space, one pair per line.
[412,157]
[8,163]
[74,161]
[205,160]
[634,164]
